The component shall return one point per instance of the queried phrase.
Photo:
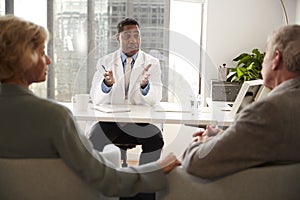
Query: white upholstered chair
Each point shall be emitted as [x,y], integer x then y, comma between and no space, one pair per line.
[47,179]
[280,182]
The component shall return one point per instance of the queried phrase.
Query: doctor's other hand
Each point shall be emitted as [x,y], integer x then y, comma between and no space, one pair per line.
[168,163]
[145,76]
[207,134]
[109,79]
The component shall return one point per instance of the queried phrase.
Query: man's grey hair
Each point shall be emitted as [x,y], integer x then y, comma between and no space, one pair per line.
[286,40]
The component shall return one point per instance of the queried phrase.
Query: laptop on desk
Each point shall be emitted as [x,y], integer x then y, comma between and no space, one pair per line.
[250,91]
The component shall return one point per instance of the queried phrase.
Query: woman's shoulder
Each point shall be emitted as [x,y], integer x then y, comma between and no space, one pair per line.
[52,106]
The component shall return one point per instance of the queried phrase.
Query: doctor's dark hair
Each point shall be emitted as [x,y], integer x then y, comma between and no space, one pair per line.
[125,22]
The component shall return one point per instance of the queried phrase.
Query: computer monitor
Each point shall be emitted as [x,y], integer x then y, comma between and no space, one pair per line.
[250,91]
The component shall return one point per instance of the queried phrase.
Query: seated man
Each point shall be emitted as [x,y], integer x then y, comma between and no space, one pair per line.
[264,132]
[123,77]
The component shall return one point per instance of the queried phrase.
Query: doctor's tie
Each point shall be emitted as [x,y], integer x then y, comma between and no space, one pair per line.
[127,75]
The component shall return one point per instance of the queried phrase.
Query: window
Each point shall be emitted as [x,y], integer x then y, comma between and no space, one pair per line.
[79,38]
[2,7]
[22,9]
[184,50]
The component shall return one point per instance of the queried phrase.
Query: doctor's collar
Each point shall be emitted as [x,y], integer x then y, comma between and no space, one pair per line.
[123,56]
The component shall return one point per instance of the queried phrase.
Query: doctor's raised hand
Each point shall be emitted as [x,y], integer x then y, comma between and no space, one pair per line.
[145,76]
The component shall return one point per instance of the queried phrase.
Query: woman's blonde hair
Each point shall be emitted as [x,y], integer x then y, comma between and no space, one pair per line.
[19,40]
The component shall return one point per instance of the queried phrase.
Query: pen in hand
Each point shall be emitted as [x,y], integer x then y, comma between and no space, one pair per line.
[104,68]
[108,77]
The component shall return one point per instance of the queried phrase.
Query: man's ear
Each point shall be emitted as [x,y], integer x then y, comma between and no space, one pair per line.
[276,60]
[118,37]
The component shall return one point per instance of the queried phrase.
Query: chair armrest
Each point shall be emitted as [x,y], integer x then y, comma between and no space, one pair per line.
[272,182]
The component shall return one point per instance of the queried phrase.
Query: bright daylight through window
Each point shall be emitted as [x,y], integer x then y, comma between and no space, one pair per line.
[77,45]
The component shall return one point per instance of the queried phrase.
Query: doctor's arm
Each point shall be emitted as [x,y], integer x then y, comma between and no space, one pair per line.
[151,78]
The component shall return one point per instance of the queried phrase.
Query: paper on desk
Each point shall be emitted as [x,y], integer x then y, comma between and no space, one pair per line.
[112,108]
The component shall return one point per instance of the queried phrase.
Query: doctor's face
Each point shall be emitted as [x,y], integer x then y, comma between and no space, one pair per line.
[129,39]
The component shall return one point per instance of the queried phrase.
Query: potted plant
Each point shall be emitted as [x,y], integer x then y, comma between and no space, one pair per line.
[248,67]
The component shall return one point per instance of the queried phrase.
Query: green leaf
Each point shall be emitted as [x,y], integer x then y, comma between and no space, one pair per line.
[256,51]
[248,66]
[240,57]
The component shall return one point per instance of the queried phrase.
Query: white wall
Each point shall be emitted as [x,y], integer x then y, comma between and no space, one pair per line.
[236,26]
[298,12]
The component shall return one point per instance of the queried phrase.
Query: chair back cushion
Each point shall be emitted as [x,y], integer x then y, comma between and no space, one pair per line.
[261,183]
[47,179]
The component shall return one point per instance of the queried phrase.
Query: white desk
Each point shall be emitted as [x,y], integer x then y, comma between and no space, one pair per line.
[147,114]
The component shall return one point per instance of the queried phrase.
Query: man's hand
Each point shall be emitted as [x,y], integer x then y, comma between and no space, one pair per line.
[168,163]
[145,76]
[205,135]
[109,79]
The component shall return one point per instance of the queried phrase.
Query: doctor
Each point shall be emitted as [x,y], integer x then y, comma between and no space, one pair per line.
[128,76]
[114,84]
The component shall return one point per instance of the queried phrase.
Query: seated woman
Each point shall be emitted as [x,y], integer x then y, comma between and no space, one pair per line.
[32,127]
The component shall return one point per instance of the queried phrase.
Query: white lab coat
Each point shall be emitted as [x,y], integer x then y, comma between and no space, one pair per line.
[117,94]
